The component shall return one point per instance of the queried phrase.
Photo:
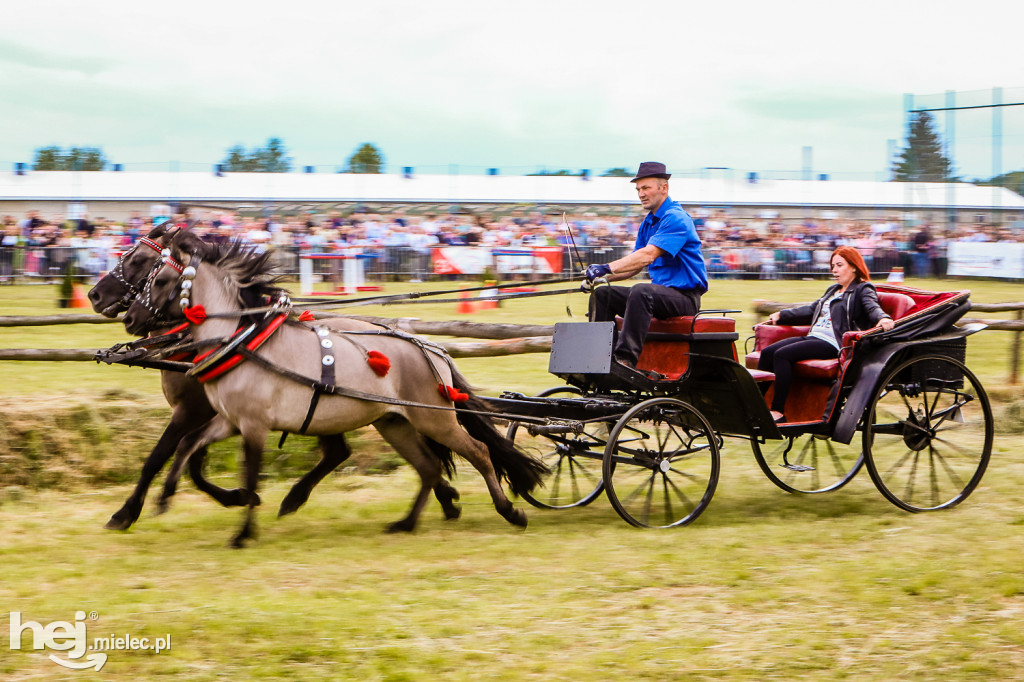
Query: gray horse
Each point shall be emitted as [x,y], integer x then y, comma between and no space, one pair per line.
[190,409]
[274,393]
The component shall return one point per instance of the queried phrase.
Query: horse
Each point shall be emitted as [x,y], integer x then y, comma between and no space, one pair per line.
[411,402]
[190,409]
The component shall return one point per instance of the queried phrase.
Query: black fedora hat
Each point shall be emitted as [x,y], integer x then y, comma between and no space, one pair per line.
[651,169]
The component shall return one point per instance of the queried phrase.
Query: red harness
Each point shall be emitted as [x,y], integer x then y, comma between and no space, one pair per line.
[208,365]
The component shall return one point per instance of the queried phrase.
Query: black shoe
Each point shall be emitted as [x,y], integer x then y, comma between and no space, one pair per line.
[625,362]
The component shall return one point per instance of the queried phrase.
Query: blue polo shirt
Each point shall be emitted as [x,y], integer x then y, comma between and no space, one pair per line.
[671,229]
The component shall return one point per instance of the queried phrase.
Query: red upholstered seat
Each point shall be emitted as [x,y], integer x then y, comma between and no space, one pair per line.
[686,325]
[671,356]
[894,304]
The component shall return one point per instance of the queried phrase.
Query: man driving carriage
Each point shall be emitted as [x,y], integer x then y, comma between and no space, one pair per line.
[669,247]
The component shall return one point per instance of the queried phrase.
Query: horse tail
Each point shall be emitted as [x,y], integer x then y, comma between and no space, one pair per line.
[522,472]
[443,454]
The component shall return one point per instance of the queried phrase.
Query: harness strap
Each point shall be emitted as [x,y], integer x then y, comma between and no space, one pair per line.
[370,397]
[326,375]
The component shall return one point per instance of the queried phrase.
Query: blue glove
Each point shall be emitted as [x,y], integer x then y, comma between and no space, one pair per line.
[596,271]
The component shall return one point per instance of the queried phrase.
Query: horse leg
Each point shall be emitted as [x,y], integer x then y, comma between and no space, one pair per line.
[233,497]
[129,513]
[400,434]
[447,496]
[476,454]
[333,451]
[445,493]
[253,441]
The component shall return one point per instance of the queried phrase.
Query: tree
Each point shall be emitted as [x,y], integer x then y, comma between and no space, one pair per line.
[269,159]
[366,159]
[922,159]
[76,158]
[47,159]
[616,173]
[1013,181]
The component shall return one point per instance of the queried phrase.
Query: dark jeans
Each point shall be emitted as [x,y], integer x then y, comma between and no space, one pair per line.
[782,355]
[637,305]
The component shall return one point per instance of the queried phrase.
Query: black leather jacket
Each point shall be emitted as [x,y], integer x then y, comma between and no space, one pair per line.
[856,310]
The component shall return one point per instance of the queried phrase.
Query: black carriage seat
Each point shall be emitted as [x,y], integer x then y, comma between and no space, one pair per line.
[670,341]
[895,304]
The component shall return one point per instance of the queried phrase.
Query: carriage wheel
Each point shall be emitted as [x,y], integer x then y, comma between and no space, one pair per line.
[573,459]
[808,463]
[928,434]
[661,464]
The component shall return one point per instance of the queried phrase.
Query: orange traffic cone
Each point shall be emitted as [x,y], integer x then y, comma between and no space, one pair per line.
[465,305]
[78,298]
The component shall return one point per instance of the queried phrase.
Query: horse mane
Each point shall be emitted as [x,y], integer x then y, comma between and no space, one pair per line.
[241,264]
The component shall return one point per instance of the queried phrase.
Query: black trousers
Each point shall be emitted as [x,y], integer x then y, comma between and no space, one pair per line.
[638,304]
[782,355]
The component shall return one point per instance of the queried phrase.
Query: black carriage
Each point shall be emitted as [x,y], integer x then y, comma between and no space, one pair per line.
[902,402]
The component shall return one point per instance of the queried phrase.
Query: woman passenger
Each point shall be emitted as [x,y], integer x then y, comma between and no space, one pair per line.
[851,304]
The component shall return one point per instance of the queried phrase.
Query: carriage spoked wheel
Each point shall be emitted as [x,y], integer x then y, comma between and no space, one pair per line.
[808,463]
[661,464]
[573,459]
[928,434]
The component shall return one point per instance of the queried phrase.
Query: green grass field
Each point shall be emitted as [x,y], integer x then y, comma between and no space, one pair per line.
[764,585]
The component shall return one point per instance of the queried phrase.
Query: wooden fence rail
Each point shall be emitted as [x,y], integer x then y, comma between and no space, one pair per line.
[502,339]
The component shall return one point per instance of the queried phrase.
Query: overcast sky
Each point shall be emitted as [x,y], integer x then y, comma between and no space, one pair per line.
[516,85]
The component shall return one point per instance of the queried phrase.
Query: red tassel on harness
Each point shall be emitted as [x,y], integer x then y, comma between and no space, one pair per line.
[452,393]
[306,316]
[196,314]
[378,362]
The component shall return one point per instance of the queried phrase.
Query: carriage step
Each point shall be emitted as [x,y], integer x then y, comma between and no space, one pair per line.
[798,467]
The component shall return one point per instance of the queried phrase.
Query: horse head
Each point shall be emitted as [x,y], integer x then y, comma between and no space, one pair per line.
[116,290]
[159,298]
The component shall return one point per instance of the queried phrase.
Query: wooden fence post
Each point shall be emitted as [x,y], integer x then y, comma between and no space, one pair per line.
[1015,353]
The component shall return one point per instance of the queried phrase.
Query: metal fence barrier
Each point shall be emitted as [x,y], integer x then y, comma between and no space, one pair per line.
[399,263]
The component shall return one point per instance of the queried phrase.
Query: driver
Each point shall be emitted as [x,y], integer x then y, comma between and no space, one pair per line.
[668,246]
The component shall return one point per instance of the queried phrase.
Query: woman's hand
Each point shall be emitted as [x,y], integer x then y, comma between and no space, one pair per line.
[773,318]
[886,323]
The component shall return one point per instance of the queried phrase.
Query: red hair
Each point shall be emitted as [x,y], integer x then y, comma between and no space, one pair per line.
[856,261]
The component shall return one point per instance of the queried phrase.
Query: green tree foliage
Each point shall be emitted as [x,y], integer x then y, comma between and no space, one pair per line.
[1013,181]
[76,158]
[616,173]
[366,159]
[269,159]
[922,159]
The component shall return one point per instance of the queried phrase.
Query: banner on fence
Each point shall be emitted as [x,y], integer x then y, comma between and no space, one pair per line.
[473,260]
[986,259]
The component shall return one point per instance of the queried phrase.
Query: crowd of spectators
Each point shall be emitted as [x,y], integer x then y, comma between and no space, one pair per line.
[747,247]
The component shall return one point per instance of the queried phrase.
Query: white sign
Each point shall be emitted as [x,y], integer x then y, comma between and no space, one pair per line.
[986,259]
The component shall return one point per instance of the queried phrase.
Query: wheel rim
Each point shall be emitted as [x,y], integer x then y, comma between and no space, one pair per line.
[574,461]
[661,464]
[928,434]
[809,463]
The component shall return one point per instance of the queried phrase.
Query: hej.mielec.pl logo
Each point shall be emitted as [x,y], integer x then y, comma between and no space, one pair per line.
[71,637]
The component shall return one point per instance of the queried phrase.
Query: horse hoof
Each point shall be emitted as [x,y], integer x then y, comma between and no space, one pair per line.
[162,507]
[119,523]
[452,513]
[517,517]
[290,505]
[403,526]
